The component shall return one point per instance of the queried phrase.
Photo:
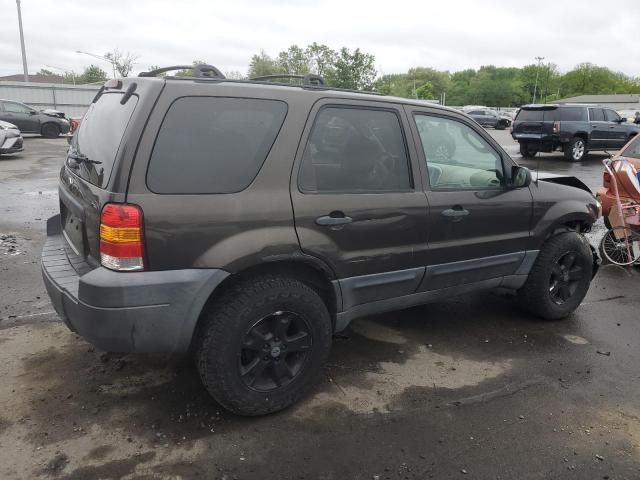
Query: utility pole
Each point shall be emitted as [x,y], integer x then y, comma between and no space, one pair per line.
[24,52]
[535,87]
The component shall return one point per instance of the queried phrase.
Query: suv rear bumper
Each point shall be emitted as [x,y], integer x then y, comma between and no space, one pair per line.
[126,312]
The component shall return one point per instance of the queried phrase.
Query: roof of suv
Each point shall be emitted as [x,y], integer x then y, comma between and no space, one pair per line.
[550,106]
[311,83]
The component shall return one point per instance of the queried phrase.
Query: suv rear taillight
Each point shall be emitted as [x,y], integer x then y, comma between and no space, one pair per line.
[556,127]
[121,237]
[606,180]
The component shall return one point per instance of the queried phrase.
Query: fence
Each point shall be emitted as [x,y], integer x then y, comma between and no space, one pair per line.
[73,100]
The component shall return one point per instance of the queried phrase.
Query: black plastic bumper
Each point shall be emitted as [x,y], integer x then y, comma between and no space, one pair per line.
[126,312]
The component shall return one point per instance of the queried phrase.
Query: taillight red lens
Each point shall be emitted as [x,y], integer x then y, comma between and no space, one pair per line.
[606,179]
[121,237]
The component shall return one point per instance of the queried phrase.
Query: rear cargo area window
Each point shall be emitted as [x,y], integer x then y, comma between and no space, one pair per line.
[212,145]
[99,136]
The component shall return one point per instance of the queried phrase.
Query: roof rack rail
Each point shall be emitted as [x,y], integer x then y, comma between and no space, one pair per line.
[310,79]
[200,70]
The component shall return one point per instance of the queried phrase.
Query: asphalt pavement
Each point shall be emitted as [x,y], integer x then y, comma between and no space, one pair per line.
[465,388]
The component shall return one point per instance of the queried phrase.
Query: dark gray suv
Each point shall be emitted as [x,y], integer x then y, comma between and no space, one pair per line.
[249,221]
[574,129]
[48,123]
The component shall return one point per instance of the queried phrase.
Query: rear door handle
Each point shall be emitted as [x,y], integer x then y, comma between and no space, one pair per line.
[333,219]
[455,214]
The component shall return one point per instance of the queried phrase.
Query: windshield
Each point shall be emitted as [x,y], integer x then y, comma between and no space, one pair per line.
[99,137]
[633,150]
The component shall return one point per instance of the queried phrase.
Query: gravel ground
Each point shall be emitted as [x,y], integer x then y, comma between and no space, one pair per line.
[466,388]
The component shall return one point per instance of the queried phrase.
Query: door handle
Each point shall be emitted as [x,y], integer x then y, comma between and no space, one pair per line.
[333,219]
[455,214]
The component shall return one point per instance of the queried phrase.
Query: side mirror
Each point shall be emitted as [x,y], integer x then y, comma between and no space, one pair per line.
[520,177]
[623,120]
[32,112]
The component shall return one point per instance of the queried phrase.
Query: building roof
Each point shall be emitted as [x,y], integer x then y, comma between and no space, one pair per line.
[615,98]
[35,77]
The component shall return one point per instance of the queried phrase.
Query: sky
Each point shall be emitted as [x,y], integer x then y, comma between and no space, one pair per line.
[447,35]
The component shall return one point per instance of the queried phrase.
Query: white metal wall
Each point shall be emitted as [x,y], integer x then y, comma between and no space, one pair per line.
[70,99]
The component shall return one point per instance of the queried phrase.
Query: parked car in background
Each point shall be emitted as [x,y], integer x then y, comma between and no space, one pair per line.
[48,123]
[10,138]
[605,194]
[574,129]
[248,222]
[489,118]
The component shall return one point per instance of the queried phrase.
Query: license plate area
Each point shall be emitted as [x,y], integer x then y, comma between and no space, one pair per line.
[72,228]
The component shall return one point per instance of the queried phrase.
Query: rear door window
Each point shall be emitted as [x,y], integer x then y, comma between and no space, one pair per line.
[355,150]
[209,145]
[100,135]
[596,115]
[572,114]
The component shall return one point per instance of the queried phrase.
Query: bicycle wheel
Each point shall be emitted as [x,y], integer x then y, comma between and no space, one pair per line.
[621,246]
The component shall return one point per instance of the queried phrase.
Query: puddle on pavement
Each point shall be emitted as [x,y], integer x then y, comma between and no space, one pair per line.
[575,339]
[131,384]
[366,391]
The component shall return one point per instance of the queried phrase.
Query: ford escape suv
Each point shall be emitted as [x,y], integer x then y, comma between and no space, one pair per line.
[248,221]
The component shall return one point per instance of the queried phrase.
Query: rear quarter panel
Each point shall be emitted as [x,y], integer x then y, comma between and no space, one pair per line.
[229,231]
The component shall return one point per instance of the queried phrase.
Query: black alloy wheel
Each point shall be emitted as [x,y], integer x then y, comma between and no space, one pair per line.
[566,276]
[274,351]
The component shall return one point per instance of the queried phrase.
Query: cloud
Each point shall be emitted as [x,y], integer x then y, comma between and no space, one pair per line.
[449,35]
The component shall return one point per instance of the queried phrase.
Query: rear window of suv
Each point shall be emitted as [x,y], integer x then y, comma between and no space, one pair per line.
[536,115]
[209,145]
[100,134]
[566,114]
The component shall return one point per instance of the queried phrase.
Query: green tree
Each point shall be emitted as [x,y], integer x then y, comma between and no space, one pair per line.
[91,74]
[425,91]
[293,61]
[321,58]
[262,64]
[589,79]
[352,70]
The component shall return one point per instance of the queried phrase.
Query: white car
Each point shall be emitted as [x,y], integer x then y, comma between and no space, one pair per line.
[10,138]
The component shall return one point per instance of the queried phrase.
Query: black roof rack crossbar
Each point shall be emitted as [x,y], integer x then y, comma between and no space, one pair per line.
[310,79]
[200,70]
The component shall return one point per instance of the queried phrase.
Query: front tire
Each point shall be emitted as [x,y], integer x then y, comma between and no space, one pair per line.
[50,130]
[575,150]
[560,277]
[264,344]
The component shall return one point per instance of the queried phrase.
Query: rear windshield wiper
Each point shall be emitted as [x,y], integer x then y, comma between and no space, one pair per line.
[80,158]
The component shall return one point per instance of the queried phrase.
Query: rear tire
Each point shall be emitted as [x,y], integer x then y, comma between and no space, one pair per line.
[560,277]
[263,345]
[526,151]
[501,126]
[50,130]
[575,150]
